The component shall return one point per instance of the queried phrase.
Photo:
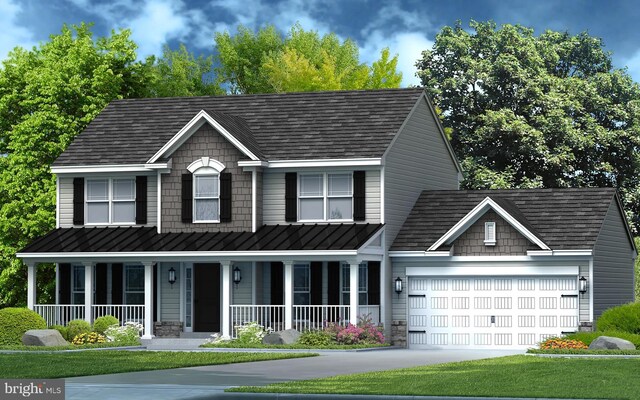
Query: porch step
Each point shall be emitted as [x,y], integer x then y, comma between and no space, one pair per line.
[172,343]
[195,335]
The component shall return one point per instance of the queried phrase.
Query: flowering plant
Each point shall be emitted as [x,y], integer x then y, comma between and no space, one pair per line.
[129,333]
[88,338]
[217,338]
[251,333]
[562,343]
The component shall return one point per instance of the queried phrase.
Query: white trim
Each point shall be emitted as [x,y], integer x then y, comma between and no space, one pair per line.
[88,169]
[382,194]
[288,294]
[324,196]
[148,299]
[225,267]
[254,199]
[190,128]
[590,290]
[206,162]
[475,214]
[329,162]
[413,254]
[195,199]
[110,201]
[493,271]
[159,202]
[159,291]
[489,233]
[57,204]
[577,252]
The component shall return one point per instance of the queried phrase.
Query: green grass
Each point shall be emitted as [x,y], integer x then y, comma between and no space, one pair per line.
[514,376]
[586,352]
[63,365]
[235,345]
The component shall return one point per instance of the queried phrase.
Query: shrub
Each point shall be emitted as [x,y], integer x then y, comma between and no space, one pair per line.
[316,338]
[624,318]
[588,337]
[89,338]
[129,334]
[14,322]
[63,331]
[562,343]
[76,327]
[102,323]
[250,333]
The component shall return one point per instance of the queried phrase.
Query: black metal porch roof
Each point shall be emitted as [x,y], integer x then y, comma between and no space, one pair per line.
[147,239]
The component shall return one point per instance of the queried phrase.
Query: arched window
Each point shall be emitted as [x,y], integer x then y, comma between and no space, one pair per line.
[206,189]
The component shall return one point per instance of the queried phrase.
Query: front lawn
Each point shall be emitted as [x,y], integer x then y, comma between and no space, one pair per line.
[514,376]
[66,364]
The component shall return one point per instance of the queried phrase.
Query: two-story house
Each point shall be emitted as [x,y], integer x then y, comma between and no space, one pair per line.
[200,214]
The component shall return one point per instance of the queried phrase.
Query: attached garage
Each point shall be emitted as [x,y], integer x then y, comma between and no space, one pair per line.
[490,312]
[506,269]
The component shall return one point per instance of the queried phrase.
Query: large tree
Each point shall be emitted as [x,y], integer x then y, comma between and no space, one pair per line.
[536,111]
[267,61]
[47,96]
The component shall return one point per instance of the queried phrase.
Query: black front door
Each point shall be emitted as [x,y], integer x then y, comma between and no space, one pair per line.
[206,298]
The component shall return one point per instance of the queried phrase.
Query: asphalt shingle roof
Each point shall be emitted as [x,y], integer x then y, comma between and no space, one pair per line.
[563,219]
[147,239]
[292,126]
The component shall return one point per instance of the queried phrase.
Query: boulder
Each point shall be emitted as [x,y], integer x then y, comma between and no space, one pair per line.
[611,343]
[43,337]
[288,336]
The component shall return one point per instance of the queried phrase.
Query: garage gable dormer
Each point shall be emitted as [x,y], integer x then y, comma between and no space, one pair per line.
[503,209]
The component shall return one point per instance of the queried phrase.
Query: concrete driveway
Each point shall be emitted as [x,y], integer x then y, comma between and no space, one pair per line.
[194,382]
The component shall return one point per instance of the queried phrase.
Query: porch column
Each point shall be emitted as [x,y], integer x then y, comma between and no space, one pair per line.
[226,298]
[88,291]
[31,284]
[288,294]
[148,300]
[353,293]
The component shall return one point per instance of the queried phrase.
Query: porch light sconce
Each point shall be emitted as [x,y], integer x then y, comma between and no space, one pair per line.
[237,277]
[582,285]
[398,283]
[172,276]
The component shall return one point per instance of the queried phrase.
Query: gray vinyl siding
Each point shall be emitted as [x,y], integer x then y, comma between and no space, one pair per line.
[170,294]
[66,199]
[613,279]
[418,160]
[241,293]
[273,194]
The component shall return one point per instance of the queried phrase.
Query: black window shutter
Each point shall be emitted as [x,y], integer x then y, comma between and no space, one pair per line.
[359,188]
[187,198]
[64,283]
[78,201]
[116,284]
[277,283]
[225,197]
[316,282]
[141,200]
[101,283]
[291,197]
[373,294]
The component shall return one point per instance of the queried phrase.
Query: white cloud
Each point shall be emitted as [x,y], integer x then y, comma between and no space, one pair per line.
[11,34]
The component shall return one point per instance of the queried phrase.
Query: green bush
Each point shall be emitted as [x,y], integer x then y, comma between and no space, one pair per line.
[76,327]
[588,337]
[63,331]
[316,338]
[624,318]
[14,322]
[102,323]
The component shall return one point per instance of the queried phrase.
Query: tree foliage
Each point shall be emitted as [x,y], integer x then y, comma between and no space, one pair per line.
[536,111]
[47,96]
[267,62]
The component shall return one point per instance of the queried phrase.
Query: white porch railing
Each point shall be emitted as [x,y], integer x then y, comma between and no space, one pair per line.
[124,313]
[304,317]
[59,314]
[271,317]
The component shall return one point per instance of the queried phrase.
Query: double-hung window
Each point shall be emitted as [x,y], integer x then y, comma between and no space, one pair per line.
[363,284]
[206,197]
[134,284]
[326,197]
[301,284]
[111,201]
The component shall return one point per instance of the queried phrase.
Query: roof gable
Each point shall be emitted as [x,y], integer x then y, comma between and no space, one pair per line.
[478,211]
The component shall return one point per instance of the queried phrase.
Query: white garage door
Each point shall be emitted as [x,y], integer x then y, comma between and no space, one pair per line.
[490,312]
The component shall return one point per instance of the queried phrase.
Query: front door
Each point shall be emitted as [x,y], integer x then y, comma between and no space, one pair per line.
[206,298]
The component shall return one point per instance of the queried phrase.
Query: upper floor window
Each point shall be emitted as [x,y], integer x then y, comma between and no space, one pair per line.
[111,200]
[206,197]
[326,196]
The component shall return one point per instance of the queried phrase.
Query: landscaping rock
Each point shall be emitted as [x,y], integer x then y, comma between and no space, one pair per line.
[288,336]
[43,337]
[611,343]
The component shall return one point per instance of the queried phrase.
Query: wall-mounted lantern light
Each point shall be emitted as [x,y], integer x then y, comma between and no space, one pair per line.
[398,283]
[172,275]
[582,285]
[237,277]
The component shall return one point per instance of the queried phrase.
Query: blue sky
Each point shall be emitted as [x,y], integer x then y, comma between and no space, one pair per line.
[407,27]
